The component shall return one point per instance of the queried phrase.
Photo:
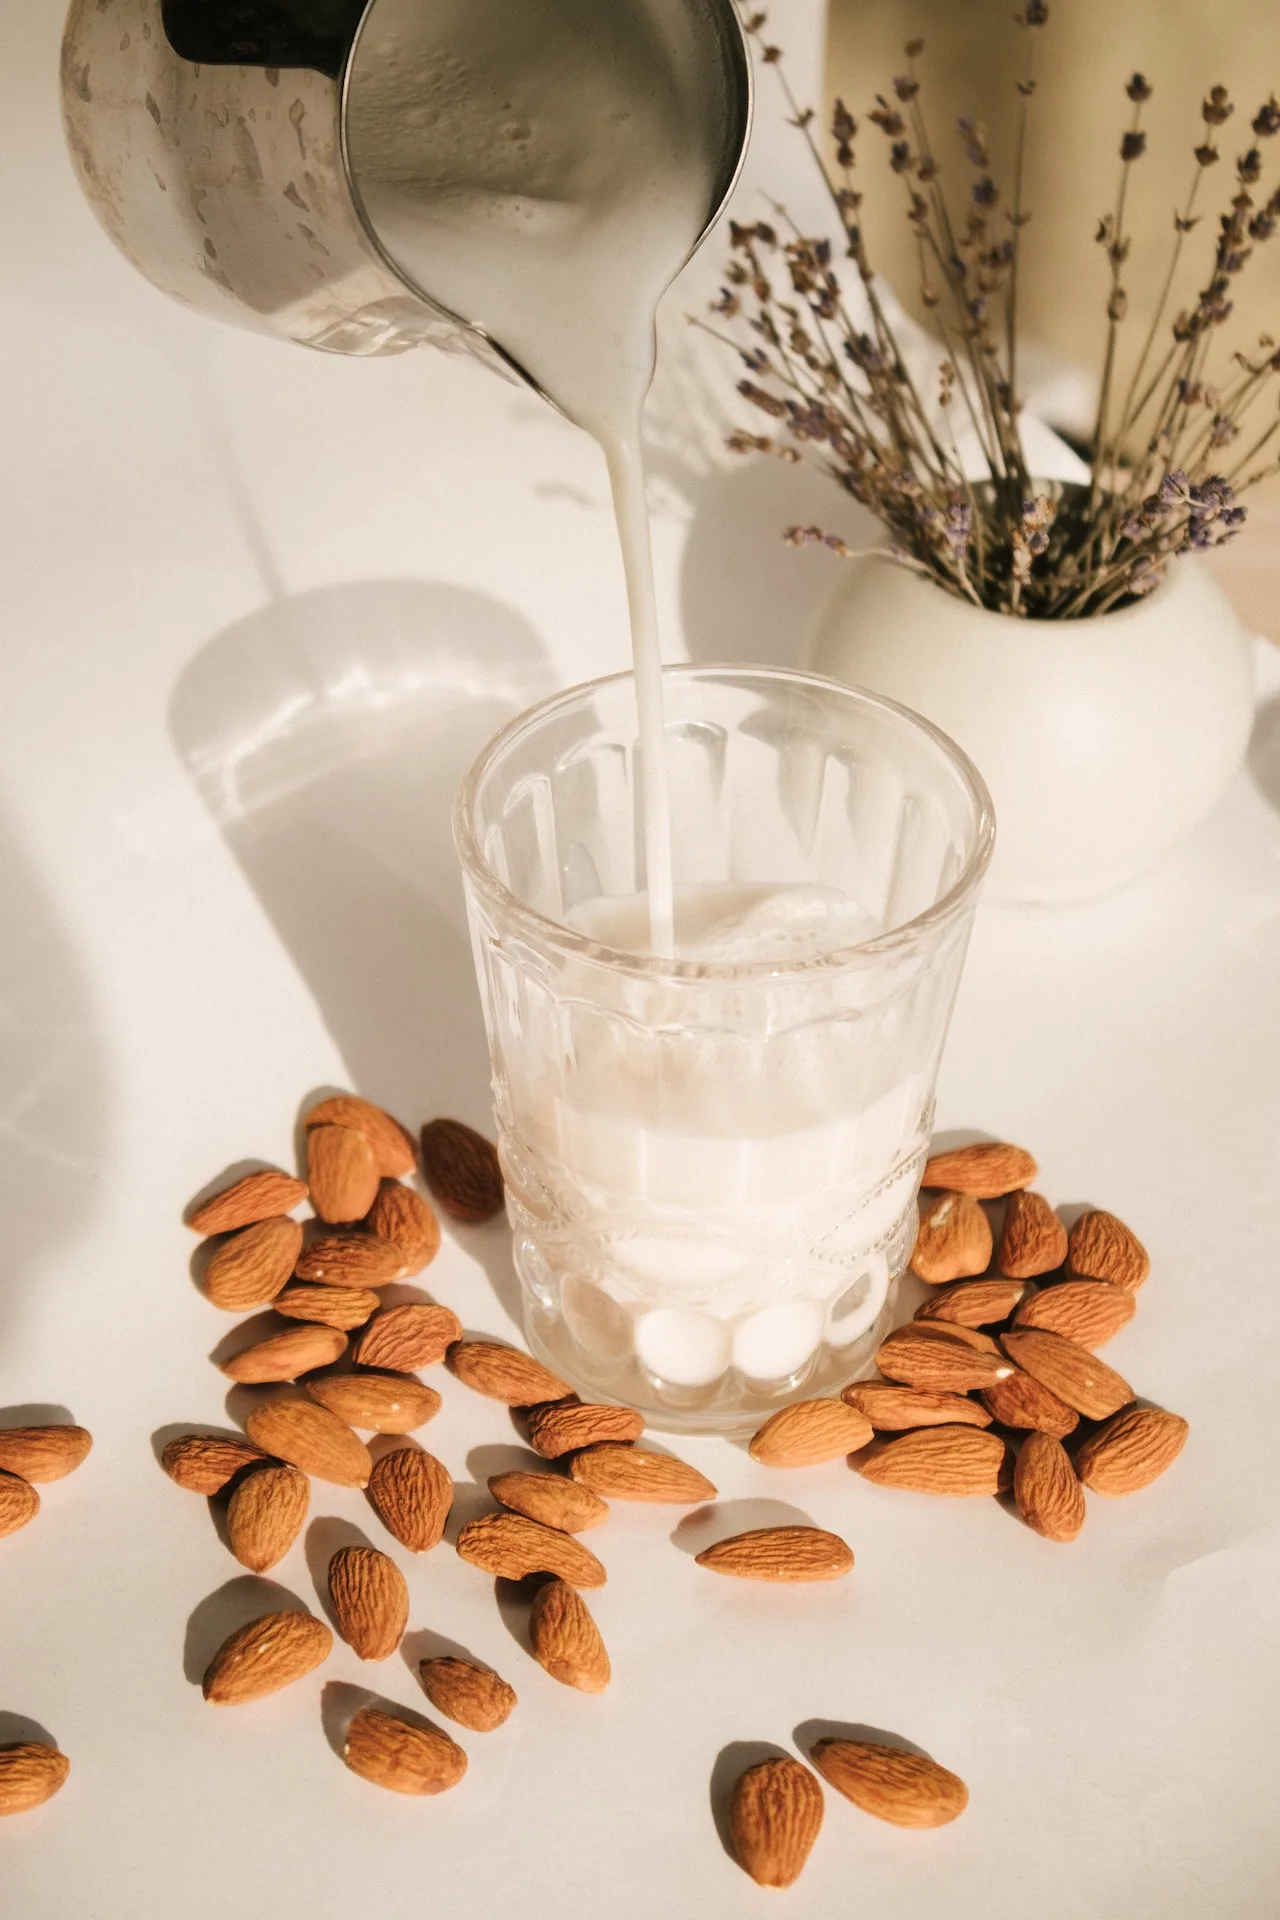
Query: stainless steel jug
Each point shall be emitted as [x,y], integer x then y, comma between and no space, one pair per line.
[263,160]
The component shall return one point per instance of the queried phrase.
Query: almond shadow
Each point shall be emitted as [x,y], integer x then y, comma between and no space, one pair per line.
[324,1537]
[225,1611]
[731,1763]
[808,1733]
[708,1523]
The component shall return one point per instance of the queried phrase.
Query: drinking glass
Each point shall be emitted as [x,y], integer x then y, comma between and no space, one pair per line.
[712,1165]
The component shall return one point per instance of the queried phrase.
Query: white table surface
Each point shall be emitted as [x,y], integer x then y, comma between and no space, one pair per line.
[258,610]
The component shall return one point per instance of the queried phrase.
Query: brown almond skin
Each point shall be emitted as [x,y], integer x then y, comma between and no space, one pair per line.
[1032,1240]
[266,1655]
[475,1697]
[907,1789]
[1086,1311]
[987,1170]
[550,1499]
[894,1409]
[565,1640]
[265,1515]
[346,1308]
[775,1815]
[259,1196]
[1021,1401]
[634,1473]
[959,1462]
[412,1493]
[408,1221]
[310,1437]
[19,1503]
[370,1599]
[915,1356]
[810,1432]
[393,1145]
[342,1174]
[379,1402]
[973,1303]
[285,1355]
[780,1554]
[41,1454]
[404,1758]
[254,1265]
[1046,1489]
[1071,1372]
[206,1462]
[462,1171]
[511,1547]
[953,1240]
[569,1426]
[406,1338]
[30,1774]
[504,1373]
[351,1260]
[953,1330]
[1101,1247]
[1131,1450]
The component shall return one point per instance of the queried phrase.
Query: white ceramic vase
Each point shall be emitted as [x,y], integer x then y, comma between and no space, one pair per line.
[1104,741]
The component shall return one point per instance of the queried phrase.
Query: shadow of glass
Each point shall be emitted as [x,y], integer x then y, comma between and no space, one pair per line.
[1264,752]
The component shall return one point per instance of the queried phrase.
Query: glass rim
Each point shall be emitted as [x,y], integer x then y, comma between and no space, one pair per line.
[567,940]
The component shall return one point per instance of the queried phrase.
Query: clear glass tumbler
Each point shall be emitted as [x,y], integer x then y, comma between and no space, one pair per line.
[712,1164]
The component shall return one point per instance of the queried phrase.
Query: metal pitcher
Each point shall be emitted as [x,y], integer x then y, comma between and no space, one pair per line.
[265,161]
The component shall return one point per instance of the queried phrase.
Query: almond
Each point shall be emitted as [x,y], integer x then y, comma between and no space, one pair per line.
[892,1409]
[370,1599]
[956,1461]
[809,1432]
[1033,1240]
[565,1639]
[253,1266]
[916,1357]
[1049,1496]
[343,1307]
[568,1426]
[462,1171]
[351,1260]
[953,1240]
[1086,1311]
[511,1547]
[264,1656]
[310,1437]
[1071,1372]
[285,1355]
[259,1196]
[19,1503]
[342,1174]
[404,1217]
[1131,1450]
[973,1303]
[30,1774]
[411,1493]
[775,1813]
[43,1453]
[1100,1247]
[265,1515]
[908,1789]
[475,1697]
[205,1462]
[504,1373]
[406,1338]
[1021,1401]
[780,1553]
[379,1402]
[987,1170]
[392,1144]
[401,1756]
[550,1499]
[633,1473]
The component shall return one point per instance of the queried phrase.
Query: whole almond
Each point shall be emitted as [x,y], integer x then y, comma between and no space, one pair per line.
[907,1789]
[775,1813]
[634,1473]
[370,1599]
[392,1144]
[475,1697]
[285,1355]
[1033,1240]
[310,1437]
[1086,1311]
[565,1640]
[264,1656]
[1071,1372]
[780,1553]
[956,1461]
[462,1171]
[568,1426]
[406,1338]
[30,1774]
[411,1493]
[1100,1247]
[916,1357]
[1021,1401]
[259,1196]
[953,1239]
[265,1515]
[405,1218]
[400,1756]
[43,1453]
[987,1170]
[973,1303]
[343,1307]
[894,1409]
[550,1499]
[19,1503]
[809,1432]
[1131,1450]
[504,1373]
[342,1174]
[511,1547]
[351,1260]
[1049,1496]
[379,1402]
[254,1265]
[205,1462]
